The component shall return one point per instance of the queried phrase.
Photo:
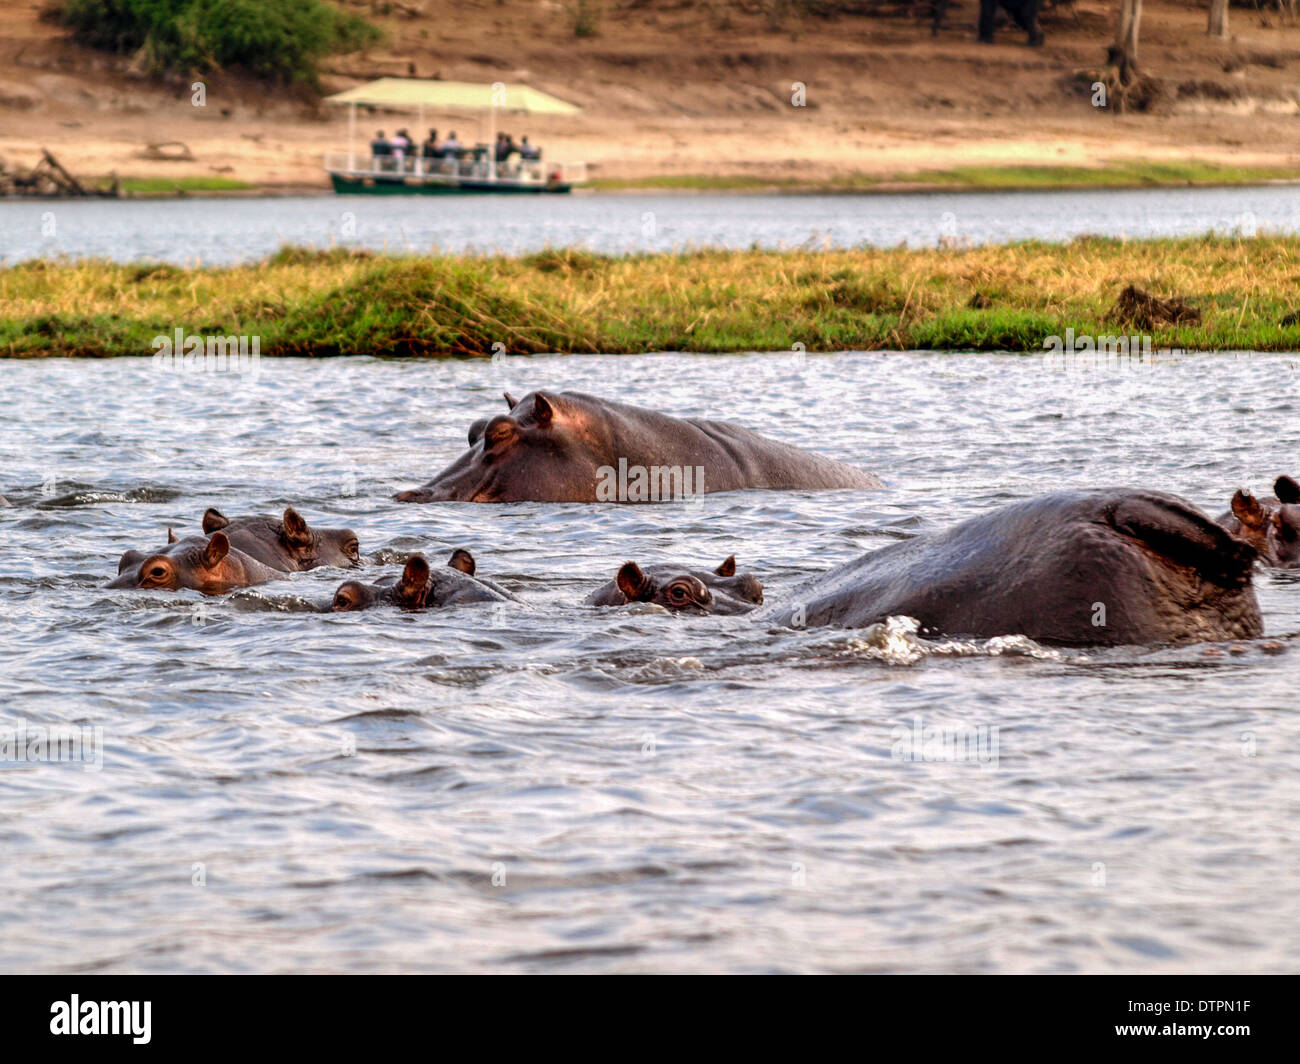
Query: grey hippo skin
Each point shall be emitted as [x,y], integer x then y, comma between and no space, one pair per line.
[421,587]
[681,589]
[1161,569]
[207,564]
[288,544]
[564,447]
[1271,526]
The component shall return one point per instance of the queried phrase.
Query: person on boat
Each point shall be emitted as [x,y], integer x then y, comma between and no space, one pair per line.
[401,144]
[505,147]
[451,146]
[527,151]
[430,149]
[380,149]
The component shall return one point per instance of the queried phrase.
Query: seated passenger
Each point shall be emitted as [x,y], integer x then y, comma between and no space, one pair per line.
[430,149]
[451,146]
[527,151]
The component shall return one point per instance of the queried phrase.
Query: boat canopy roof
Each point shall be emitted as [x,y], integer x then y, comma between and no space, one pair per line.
[453,96]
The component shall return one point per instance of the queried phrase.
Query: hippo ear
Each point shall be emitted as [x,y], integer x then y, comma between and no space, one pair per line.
[476,430]
[218,547]
[1286,489]
[463,560]
[511,401]
[1247,510]
[543,412]
[214,519]
[172,537]
[294,529]
[415,581]
[727,568]
[129,558]
[634,584]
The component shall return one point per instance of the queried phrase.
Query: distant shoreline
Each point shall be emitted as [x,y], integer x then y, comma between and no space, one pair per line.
[1118,176]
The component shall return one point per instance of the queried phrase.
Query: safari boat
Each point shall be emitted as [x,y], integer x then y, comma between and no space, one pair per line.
[468,170]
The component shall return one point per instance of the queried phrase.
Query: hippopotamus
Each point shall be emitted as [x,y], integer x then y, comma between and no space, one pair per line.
[288,544]
[1082,568]
[677,588]
[420,587]
[1272,526]
[207,564]
[571,447]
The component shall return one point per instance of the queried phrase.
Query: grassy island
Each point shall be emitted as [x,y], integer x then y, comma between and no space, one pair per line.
[347,302]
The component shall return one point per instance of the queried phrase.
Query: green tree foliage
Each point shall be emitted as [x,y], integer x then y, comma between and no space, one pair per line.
[278,40]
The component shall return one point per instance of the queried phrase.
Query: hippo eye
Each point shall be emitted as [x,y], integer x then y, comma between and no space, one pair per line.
[352,549]
[677,593]
[343,601]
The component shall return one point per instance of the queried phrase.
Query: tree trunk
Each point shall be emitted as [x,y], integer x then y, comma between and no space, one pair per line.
[1218,24]
[1124,52]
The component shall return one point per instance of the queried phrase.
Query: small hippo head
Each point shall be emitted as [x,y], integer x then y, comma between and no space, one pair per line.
[682,590]
[289,541]
[199,563]
[541,439]
[1272,526]
[411,591]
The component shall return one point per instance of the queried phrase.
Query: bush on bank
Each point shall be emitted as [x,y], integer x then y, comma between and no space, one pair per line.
[278,40]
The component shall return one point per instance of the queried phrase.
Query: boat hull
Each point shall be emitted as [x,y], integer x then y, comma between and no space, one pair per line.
[379,186]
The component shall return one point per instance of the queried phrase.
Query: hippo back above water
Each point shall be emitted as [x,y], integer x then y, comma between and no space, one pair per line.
[1090,568]
[571,447]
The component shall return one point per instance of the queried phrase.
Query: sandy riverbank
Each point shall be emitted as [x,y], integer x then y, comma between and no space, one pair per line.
[672,93]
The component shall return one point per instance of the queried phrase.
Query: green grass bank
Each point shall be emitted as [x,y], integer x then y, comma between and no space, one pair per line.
[342,302]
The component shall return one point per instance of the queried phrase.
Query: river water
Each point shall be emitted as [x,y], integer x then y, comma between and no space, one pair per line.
[553,788]
[216,231]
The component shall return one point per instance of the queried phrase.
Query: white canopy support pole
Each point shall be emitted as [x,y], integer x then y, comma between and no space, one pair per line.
[352,137]
[492,142]
[417,149]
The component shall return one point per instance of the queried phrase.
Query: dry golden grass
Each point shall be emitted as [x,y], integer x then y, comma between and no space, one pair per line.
[1003,297]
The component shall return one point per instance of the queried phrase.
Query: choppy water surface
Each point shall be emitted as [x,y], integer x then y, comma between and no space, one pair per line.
[555,788]
[216,231]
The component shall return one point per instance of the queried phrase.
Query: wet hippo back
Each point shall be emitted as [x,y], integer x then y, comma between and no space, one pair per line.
[572,447]
[1075,568]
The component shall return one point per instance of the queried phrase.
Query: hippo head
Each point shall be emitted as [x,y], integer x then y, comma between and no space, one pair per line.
[411,591]
[1272,526]
[291,537]
[199,563]
[681,590]
[541,438]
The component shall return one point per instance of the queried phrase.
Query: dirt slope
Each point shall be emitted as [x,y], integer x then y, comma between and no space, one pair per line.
[695,88]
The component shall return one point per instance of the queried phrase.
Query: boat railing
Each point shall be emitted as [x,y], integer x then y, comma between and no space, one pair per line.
[473,166]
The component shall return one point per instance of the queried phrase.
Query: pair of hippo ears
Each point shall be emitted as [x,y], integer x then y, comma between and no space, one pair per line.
[294,529]
[504,426]
[637,587]
[1250,512]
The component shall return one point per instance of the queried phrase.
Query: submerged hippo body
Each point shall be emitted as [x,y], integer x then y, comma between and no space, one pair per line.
[571,447]
[210,565]
[1076,569]
[681,589]
[1271,526]
[288,543]
[421,586]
